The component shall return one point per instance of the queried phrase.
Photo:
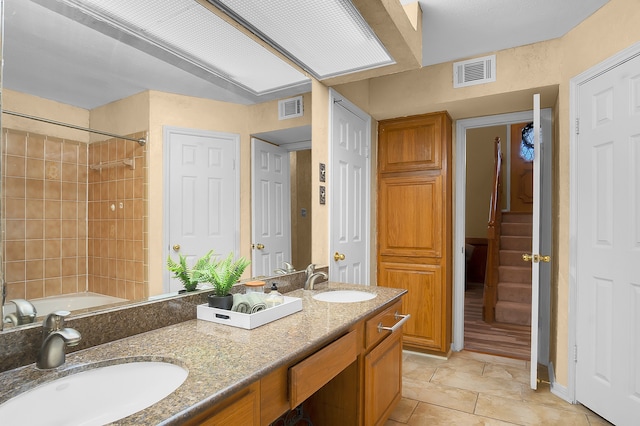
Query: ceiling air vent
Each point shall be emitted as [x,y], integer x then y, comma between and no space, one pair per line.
[474,71]
[290,108]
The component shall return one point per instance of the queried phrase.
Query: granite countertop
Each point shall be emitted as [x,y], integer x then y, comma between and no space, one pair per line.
[221,359]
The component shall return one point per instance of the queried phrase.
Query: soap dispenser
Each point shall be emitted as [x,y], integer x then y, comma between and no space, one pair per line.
[274,298]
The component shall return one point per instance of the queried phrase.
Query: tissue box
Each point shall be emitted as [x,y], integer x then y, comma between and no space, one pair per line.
[290,306]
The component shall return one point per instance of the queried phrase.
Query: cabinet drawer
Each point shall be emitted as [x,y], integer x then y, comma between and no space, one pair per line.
[306,377]
[386,318]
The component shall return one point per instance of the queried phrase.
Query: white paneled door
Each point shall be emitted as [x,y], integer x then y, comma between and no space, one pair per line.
[270,208]
[204,194]
[608,244]
[349,180]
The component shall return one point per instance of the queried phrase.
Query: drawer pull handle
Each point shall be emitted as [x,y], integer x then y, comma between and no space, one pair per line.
[403,319]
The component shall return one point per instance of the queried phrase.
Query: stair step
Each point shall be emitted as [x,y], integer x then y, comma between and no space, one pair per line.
[513,258]
[514,274]
[511,217]
[516,229]
[514,292]
[515,243]
[513,312]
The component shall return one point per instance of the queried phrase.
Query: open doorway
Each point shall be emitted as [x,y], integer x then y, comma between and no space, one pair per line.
[509,335]
[464,130]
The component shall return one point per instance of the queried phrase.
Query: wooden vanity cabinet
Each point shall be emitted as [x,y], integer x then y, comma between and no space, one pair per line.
[382,367]
[242,408]
[415,224]
[354,380]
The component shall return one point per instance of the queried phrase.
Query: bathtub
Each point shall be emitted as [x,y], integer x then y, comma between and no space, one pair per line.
[67,302]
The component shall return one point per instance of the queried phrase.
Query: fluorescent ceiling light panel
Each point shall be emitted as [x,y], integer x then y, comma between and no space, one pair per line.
[326,37]
[189,30]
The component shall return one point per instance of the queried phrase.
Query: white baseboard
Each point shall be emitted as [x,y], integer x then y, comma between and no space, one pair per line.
[557,389]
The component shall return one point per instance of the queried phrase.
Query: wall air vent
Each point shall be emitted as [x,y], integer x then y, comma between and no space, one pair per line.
[474,71]
[290,108]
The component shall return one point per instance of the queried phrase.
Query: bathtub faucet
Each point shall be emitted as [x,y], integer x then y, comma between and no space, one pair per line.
[55,338]
[25,312]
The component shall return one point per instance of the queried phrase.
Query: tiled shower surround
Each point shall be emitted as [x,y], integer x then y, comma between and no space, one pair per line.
[62,234]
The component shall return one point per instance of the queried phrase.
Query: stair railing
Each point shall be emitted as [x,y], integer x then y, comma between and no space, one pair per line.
[493,246]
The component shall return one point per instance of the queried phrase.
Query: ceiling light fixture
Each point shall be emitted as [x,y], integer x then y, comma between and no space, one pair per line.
[194,34]
[327,38]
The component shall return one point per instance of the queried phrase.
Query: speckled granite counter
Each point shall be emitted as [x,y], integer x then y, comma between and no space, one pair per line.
[221,359]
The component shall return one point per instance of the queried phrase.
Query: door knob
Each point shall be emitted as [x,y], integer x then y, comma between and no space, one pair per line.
[536,258]
[338,256]
[257,246]
[176,247]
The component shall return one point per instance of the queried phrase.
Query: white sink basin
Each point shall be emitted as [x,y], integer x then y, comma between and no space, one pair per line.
[344,296]
[95,397]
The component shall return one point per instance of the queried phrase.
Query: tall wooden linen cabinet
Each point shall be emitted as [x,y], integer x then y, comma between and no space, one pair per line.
[414,224]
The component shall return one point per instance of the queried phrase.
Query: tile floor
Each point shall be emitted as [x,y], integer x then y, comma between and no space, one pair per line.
[477,389]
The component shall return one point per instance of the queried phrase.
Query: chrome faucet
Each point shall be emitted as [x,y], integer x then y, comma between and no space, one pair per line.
[55,337]
[311,279]
[25,312]
[287,268]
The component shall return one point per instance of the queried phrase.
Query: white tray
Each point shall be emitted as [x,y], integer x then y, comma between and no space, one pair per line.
[290,306]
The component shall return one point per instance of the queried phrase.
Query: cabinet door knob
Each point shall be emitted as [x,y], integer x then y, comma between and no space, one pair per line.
[257,246]
[176,247]
[338,256]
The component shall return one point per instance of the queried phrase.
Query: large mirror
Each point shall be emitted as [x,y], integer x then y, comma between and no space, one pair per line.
[83,213]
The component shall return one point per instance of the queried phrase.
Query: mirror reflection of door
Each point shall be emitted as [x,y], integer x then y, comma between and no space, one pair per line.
[271,207]
[521,167]
[203,206]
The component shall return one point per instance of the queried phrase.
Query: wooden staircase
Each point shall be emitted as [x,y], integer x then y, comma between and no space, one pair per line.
[513,305]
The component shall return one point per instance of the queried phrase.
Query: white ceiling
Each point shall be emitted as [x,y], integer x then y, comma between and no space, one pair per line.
[40,59]
[460,29]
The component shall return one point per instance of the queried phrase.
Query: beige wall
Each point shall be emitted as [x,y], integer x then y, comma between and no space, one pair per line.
[479,182]
[545,67]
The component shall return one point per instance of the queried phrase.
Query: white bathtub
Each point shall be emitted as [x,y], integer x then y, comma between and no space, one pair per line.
[67,302]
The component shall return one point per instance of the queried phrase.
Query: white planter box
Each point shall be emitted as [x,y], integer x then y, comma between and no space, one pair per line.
[290,306]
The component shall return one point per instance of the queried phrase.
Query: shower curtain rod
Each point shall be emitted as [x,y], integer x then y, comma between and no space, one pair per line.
[141,141]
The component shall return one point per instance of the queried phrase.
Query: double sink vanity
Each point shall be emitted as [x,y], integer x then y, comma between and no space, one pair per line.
[339,359]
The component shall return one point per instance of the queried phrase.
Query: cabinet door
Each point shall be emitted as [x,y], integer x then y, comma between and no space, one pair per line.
[411,143]
[425,302]
[383,379]
[410,217]
[242,408]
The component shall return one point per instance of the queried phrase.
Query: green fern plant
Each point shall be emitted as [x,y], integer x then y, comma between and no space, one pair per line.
[222,274]
[185,274]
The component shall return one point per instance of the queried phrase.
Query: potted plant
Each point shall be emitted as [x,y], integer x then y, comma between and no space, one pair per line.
[222,275]
[185,274]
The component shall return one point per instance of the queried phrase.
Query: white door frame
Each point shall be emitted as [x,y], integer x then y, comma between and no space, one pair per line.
[569,393]
[460,200]
[167,131]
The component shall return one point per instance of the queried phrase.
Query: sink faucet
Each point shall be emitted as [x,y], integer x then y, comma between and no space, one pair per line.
[25,312]
[311,279]
[55,337]
[287,268]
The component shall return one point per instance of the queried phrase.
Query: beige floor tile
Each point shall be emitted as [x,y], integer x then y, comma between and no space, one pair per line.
[526,413]
[595,420]
[433,415]
[477,356]
[417,370]
[403,410]
[444,396]
[507,372]
[543,396]
[456,378]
